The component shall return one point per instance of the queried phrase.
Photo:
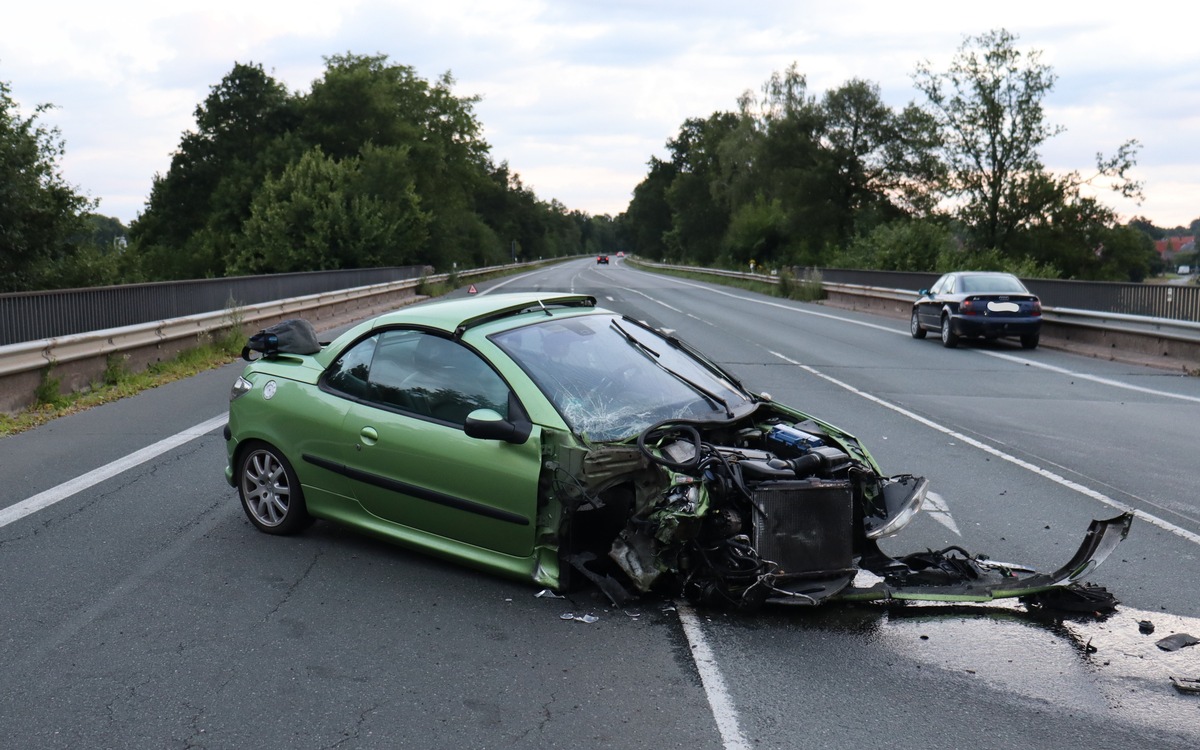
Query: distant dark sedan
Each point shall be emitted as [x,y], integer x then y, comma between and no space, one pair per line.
[974,304]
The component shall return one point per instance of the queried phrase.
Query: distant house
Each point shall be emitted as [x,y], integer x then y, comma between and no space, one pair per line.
[1171,246]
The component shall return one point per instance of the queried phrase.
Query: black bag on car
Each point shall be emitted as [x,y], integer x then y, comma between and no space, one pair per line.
[295,336]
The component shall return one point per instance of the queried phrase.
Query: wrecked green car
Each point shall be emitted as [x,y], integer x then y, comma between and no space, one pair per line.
[538,436]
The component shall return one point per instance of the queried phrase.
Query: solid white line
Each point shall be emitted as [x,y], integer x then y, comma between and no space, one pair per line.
[1045,473]
[1085,376]
[714,684]
[655,301]
[53,495]
[509,280]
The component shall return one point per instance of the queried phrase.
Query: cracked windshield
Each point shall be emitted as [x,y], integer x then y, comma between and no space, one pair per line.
[611,378]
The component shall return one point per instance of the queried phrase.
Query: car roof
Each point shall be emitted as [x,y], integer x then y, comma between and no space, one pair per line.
[457,315]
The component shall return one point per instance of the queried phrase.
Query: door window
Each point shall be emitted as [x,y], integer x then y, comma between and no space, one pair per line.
[420,373]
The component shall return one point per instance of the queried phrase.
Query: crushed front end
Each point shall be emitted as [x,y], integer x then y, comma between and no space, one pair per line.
[773,508]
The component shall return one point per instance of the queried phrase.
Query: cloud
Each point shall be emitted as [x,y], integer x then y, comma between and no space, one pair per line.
[578,95]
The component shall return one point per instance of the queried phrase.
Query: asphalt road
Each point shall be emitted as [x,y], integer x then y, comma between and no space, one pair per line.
[139,609]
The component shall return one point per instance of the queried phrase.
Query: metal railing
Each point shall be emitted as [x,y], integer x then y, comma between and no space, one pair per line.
[31,316]
[1149,300]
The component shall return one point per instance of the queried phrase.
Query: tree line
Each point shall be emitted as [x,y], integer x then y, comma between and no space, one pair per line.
[954,180]
[375,166]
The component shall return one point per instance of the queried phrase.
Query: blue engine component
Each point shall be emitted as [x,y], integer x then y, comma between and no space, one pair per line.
[795,438]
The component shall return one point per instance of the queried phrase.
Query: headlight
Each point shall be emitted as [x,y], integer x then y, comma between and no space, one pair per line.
[241,387]
[903,498]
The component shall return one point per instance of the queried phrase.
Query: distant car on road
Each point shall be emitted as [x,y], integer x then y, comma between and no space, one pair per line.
[602,259]
[978,304]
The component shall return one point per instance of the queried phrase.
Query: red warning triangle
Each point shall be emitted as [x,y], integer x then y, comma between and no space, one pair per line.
[472,290]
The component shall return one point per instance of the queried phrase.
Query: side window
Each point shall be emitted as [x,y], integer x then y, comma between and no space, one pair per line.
[434,377]
[349,372]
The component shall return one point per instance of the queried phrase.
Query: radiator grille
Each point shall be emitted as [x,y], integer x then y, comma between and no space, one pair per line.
[805,526]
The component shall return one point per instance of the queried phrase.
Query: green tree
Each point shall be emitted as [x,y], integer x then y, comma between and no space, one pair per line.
[366,99]
[699,215]
[197,208]
[646,221]
[885,161]
[322,214]
[41,215]
[988,108]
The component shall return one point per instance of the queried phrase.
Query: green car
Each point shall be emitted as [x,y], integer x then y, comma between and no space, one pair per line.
[541,437]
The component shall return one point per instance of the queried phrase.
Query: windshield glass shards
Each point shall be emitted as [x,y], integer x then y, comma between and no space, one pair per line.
[610,379]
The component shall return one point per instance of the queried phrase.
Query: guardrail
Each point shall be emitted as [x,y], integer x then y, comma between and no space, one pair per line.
[1158,342]
[79,360]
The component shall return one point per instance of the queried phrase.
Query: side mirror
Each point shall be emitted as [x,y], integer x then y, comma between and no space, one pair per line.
[487,424]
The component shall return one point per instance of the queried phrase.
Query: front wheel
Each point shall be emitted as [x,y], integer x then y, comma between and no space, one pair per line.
[949,337]
[914,326]
[270,492]
[1030,341]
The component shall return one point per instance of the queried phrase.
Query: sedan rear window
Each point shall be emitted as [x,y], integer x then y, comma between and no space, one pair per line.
[999,282]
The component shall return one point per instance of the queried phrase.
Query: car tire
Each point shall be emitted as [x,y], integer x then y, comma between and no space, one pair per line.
[1030,341]
[949,337]
[914,326]
[270,491]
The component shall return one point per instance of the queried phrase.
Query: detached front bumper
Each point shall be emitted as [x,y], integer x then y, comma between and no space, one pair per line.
[940,577]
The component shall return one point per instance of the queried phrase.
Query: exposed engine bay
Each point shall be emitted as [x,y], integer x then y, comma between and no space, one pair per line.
[777,509]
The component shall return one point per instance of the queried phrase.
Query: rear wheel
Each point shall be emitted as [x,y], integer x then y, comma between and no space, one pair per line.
[270,491]
[1030,341]
[914,326]
[949,337]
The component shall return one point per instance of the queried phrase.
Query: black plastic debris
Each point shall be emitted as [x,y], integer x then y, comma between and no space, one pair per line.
[294,336]
[1176,641]
[612,588]
[1082,598]
[1145,627]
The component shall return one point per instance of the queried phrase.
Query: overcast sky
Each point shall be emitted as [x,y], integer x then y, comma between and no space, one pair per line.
[577,96]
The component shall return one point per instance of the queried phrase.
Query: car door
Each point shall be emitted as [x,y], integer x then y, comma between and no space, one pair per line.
[929,309]
[411,462]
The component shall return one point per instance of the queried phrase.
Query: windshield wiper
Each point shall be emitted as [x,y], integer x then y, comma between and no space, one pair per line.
[655,358]
[698,355]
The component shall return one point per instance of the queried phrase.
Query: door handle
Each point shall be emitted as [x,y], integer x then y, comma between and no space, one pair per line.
[368,435]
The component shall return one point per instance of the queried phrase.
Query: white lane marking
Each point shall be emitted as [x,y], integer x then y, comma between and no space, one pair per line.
[999,355]
[714,683]
[660,302]
[935,507]
[1086,376]
[510,280]
[789,308]
[1045,473]
[53,495]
